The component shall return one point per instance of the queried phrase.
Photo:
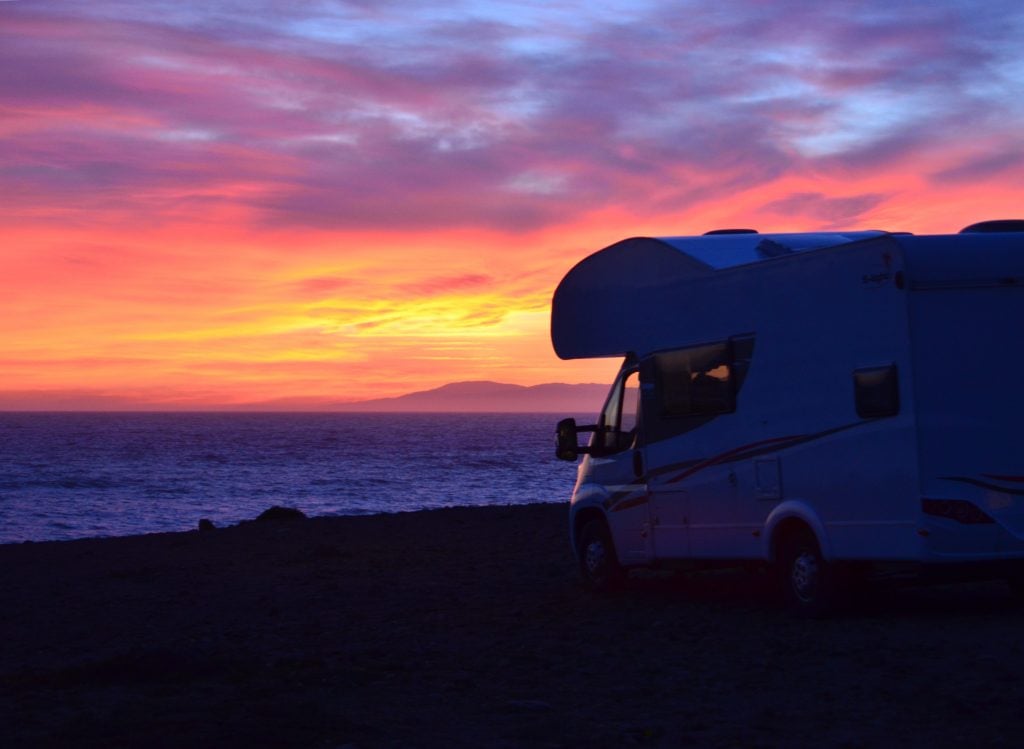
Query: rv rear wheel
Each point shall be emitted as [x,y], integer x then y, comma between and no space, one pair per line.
[807,580]
[599,565]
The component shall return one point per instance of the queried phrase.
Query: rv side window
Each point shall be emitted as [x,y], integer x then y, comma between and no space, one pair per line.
[619,419]
[696,381]
[876,392]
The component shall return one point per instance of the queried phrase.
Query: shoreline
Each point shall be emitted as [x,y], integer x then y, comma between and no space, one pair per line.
[76,476]
[467,627]
[237,523]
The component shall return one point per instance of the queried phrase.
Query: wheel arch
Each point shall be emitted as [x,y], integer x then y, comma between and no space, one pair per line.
[583,516]
[789,519]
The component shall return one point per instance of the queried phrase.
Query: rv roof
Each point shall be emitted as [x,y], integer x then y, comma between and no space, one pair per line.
[636,295]
[720,251]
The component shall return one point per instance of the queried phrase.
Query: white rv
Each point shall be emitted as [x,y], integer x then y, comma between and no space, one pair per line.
[801,400]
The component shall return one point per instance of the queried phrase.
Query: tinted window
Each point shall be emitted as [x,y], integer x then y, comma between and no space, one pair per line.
[876,392]
[618,421]
[630,402]
[696,381]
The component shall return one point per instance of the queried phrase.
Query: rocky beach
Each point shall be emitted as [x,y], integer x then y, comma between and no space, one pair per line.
[468,628]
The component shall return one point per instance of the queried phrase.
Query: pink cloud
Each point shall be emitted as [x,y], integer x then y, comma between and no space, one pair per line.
[447,284]
[135,111]
[974,168]
[321,287]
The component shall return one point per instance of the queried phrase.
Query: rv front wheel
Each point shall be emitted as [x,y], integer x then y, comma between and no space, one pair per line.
[807,584]
[599,565]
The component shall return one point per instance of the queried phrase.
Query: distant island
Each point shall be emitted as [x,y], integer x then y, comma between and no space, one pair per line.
[483,396]
[478,396]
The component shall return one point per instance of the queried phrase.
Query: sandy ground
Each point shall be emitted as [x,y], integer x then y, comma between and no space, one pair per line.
[467,628]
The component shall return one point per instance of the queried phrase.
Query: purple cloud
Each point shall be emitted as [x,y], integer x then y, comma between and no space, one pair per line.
[990,165]
[831,211]
[368,114]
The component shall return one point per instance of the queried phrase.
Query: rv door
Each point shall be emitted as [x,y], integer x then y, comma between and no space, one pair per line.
[616,463]
[667,508]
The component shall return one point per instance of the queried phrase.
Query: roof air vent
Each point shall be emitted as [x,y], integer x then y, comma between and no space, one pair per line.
[730,231]
[991,227]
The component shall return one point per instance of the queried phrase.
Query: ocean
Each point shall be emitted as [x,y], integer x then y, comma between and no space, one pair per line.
[74,475]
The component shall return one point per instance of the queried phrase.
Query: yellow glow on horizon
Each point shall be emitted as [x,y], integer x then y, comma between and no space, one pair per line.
[211,312]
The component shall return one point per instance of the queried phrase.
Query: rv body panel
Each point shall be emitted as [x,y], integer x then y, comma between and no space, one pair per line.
[967,324]
[736,468]
[610,488]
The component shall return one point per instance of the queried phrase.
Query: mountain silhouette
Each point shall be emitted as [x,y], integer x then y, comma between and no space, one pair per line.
[486,396]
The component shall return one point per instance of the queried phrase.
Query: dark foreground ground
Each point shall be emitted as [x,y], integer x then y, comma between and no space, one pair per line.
[467,628]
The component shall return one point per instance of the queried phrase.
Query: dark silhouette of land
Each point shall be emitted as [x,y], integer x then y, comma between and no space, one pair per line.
[486,396]
[467,628]
[474,396]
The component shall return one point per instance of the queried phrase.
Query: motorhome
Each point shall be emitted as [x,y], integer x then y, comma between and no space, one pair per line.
[811,402]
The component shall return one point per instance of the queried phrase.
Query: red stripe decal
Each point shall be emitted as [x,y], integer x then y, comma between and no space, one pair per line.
[721,458]
[627,503]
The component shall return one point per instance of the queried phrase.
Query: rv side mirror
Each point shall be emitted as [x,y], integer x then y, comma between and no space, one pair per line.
[567,440]
[567,445]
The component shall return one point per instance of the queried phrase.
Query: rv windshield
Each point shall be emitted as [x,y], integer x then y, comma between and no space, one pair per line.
[618,421]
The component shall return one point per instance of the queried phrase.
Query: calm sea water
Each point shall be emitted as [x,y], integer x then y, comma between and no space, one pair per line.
[74,475]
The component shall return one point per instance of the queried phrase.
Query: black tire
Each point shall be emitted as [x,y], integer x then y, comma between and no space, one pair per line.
[599,564]
[807,580]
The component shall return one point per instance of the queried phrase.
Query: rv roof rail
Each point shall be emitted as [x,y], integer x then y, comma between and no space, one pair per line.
[730,231]
[998,225]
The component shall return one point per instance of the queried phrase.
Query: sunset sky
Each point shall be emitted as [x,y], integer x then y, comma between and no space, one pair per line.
[228,202]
